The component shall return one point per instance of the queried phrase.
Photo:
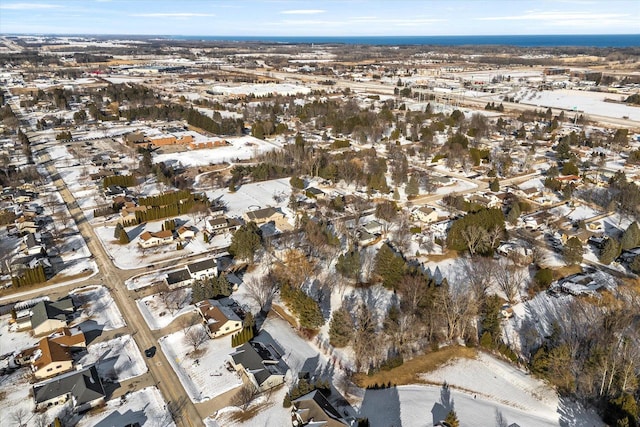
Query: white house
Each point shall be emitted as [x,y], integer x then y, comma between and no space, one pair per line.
[425,214]
[149,240]
[219,320]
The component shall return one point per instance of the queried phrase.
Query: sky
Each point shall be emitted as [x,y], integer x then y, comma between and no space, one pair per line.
[320,18]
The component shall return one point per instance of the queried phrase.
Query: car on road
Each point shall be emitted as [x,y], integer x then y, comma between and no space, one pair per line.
[150,352]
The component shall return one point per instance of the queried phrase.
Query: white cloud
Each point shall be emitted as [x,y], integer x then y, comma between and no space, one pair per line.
[302,12]
[29,6]
[555,16]
[173,15]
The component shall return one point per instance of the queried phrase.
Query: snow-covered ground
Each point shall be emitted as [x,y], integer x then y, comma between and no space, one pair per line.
[421,405]
[239,148]
[261,89]
[254,196]
[131,256]
[160,310]
[583,101]
[117,359]
[98,309]
[270,412]
[144,408]
[205,376]
[11,341]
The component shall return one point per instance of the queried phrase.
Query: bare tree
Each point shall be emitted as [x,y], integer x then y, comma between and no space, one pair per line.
[494,236]
[509,278]
[262,291]
[245,396]
[19,416]
[458,306]
[196,337]
[476,238]
[41,420]
[479,272]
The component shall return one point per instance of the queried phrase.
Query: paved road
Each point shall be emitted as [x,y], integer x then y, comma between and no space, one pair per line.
[160,370]
[162,375]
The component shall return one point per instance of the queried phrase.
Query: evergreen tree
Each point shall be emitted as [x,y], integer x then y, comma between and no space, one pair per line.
[611,250]
[389,266]
[573,251]
[246,241]
[452,419]
[494,185]
[413,186]
[124,237]
[117,231]
[341,328]
[631,237]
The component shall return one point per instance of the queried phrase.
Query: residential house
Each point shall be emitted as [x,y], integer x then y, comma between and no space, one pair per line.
[221,225]
[185,233]
[314,409]
[47,316]
[266,215]
[32,244]
[425,214]
[203,269]
[82,387]
[219,320]
[217,209]
[582,234]
[73,338]
[373,227]
[149,239]
[128,213]
[48,358]
[256,365]
[315,193]
[179,278]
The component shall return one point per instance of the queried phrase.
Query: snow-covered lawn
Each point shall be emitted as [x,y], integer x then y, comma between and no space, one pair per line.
[421,405]
[118,359]
[98,309]
[491,378]
[11,341]
[205,376]
[144,280]
[239,148]
[155,311]
[144,408]
[254,196]
[268,408]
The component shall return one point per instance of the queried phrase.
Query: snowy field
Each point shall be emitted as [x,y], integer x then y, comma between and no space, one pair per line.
[421,405]
[98,309]
[583,101]
[160,310]
[206,376]
[117,359]
[240,148]
[254,196]
[11,341]
[145,408]
[261,89]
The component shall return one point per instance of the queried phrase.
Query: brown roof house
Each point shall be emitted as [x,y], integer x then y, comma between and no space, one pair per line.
[219,320]
[48,359]
[149,240]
